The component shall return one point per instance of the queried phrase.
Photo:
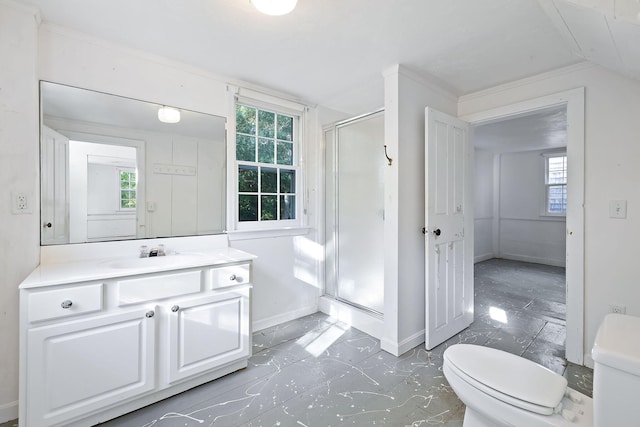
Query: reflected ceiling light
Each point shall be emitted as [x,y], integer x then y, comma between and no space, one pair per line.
[274,7]
[168,115]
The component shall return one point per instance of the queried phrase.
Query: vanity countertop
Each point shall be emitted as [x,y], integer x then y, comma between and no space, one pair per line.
[104,268]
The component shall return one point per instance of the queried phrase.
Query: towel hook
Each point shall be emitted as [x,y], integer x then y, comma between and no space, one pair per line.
[389,159]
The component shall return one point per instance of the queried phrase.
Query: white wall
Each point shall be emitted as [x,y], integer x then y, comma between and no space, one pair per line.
[406,97]
[525,234]
[612,108]
[483,205]
[19,245]
[509,197]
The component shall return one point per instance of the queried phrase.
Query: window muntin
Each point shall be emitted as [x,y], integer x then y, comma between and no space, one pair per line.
[556,184]
[128,184]
[266,146]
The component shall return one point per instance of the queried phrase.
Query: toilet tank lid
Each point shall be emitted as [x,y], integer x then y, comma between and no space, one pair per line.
[617,344]
[509,374]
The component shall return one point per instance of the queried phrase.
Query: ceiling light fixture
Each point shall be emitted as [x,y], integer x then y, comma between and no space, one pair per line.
[168,115]
[274,7]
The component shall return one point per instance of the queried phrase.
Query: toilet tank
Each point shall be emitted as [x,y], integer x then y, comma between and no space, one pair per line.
[616,375]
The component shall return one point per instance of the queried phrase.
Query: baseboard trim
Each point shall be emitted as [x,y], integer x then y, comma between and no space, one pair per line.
[399,348]
[359,319]
[484,257]
[588,361]
[412,341]
[259,325]
[535,260]
[390,346]
[8,411]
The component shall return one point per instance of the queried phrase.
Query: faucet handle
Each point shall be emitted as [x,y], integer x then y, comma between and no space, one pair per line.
[161,250]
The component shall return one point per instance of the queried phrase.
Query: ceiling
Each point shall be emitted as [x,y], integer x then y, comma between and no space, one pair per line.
[539,130]
[333,52]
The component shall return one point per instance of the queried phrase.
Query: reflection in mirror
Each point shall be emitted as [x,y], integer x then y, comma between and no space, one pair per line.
[111,170]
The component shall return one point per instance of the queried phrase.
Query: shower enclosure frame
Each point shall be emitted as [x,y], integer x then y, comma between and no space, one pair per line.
[332,231]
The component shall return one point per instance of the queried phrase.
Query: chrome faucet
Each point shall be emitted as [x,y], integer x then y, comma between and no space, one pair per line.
[157,251]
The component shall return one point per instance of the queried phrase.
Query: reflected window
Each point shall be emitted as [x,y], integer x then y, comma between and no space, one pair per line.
[266,144]
[127,189]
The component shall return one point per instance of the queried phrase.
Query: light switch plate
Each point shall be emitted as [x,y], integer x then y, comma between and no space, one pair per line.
[618,209]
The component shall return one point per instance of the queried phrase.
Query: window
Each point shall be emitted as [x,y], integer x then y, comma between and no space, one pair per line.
[268,170]
[127,189]
[556,184]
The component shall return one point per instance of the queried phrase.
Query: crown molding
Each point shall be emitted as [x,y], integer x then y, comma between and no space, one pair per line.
[580,66]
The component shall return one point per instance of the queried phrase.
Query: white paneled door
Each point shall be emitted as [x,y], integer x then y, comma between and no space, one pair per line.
[448,228]
[54,186]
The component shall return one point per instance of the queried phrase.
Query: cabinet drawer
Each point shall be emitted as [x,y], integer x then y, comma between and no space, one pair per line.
[230,276]
[50,304]
[151,288]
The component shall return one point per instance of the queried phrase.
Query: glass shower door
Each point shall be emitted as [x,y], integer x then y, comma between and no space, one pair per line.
[359,212]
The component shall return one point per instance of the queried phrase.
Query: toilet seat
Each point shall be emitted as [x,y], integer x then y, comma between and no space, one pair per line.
[507,377]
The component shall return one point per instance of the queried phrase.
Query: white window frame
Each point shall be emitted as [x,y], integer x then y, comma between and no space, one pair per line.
[119,208]
[545,202]
[243,229]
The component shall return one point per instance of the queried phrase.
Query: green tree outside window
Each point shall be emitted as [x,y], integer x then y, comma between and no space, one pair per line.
[265,144]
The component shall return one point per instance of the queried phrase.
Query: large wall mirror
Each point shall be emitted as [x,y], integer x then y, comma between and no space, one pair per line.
[111,170]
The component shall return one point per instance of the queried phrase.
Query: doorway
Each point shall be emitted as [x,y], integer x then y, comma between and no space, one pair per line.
[573,100]
[521,187]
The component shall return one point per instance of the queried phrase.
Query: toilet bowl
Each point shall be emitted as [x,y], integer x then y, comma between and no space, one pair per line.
[501,389]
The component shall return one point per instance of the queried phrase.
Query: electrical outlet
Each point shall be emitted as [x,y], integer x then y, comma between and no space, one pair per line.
[20,203]
[620,309]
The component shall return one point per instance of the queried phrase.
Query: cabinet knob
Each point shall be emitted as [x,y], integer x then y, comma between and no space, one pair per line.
[175,308]
[48,225]
[233,277]
[66,304]
[149,314]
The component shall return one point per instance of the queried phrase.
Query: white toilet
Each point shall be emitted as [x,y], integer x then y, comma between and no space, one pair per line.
[501,389]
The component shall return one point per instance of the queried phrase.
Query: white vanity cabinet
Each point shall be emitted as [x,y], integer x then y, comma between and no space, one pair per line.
[83,365]
[94,350]
[207,332]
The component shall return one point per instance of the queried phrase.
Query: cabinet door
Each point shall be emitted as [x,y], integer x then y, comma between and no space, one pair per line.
[208,332]
[82,366]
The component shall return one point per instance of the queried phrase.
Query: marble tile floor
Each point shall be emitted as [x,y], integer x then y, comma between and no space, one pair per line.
[316,371]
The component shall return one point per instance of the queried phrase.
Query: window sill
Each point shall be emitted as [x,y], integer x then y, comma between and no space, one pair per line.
[263,234]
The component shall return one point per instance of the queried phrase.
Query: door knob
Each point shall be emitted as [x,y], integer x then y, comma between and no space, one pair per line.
[437,232]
